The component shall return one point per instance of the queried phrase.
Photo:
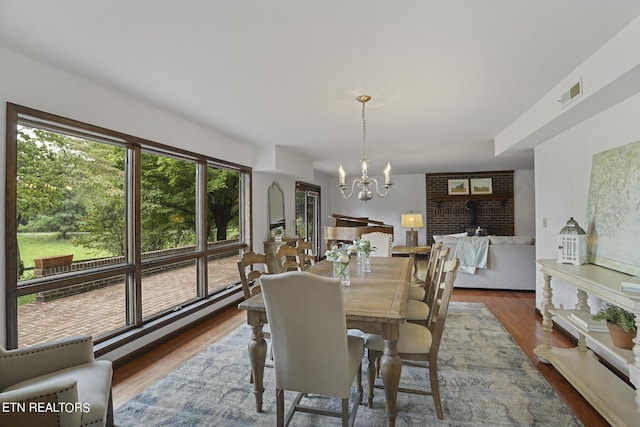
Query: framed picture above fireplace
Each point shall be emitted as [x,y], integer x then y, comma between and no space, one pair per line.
[458,187]
[481,186]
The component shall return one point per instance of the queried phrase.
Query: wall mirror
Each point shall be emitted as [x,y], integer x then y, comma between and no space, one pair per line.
[275,200]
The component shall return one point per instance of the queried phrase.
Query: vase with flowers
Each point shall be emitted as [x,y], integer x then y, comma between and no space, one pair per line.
[364,249]
[341,256]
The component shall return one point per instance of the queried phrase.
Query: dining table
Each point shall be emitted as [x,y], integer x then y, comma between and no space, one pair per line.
[375,302]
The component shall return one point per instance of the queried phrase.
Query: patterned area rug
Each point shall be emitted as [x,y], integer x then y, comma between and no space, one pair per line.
[485,380]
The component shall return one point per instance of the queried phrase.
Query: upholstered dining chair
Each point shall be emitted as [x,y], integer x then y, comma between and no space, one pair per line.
[305,252]
[418,345]
[58,371]
[312,351]
[289,258]
[381,241]
[250,267]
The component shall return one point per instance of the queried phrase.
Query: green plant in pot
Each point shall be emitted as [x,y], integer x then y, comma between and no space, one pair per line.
[621,324]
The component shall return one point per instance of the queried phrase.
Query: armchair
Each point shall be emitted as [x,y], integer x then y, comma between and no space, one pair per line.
[55,384]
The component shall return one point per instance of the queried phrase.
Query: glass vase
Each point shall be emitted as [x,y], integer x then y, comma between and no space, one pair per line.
[365,263]
[341,271]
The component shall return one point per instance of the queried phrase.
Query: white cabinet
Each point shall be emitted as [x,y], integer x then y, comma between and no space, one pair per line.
[612,397]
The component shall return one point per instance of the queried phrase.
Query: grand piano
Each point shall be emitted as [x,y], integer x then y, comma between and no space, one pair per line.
[346,228]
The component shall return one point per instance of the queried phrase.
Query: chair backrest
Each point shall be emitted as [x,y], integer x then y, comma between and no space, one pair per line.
[306,316]
[250,267]
[289,258]
[380,241]
[441,304]
[305,251]
[432,290]
[431,265]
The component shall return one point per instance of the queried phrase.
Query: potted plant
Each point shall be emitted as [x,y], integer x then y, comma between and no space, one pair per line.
[621,324]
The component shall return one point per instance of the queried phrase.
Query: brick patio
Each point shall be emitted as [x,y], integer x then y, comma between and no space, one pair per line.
[103,310]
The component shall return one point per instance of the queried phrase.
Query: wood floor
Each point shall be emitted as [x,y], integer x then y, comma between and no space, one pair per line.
[515,310]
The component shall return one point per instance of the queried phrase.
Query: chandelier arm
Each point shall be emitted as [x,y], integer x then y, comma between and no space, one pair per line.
[387,187]
[353,186]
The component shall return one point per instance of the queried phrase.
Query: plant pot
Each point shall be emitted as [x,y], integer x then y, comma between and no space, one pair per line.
[53,261]
[620,338]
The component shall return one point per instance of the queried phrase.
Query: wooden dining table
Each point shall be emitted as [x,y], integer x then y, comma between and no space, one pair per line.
[376,302]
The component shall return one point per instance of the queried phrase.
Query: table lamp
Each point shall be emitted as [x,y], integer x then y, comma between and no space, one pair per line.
[412,220]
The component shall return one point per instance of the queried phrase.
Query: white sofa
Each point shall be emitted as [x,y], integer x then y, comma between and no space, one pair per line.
[511,264]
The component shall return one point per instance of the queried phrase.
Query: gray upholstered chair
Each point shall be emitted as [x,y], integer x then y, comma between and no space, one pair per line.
[381,241]
[418,345]
[62,373]
[311,348]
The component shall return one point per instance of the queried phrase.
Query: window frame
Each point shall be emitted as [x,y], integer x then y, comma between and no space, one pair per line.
[133,264]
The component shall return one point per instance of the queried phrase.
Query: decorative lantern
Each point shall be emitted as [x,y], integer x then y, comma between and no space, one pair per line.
[572,244]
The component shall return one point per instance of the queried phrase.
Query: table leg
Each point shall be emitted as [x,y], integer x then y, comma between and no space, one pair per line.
[547,323]
[257,356]
[391,367]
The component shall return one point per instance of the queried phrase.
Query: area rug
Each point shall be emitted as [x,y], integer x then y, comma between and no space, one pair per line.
[485,380]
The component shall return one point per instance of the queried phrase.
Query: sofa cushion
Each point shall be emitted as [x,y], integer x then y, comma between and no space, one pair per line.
[511,240]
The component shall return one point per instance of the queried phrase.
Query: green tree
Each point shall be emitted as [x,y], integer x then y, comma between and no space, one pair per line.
[223,191]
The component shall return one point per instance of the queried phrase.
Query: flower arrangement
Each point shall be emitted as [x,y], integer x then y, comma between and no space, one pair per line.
[363,245]
[340,255]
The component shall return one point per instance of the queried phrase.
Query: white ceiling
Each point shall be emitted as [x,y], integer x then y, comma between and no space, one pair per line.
[446,77]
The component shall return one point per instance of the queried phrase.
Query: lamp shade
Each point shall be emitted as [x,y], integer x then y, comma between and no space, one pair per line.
[412,220]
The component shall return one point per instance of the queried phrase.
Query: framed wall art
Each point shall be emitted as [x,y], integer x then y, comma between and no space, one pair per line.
[613,217]
[481,186]
[458,187]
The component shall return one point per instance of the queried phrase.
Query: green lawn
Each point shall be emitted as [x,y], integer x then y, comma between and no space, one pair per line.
[40,245]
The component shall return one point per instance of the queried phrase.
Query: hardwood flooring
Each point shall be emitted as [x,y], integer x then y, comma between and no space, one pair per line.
[515,310]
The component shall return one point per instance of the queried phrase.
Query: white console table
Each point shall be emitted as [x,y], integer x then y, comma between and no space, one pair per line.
[613,398]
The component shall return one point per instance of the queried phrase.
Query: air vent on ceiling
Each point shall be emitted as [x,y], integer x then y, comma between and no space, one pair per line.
[573,92]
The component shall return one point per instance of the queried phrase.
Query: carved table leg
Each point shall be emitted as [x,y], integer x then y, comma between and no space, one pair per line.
[547,324]
[391,367]
[582,305]
[257,356]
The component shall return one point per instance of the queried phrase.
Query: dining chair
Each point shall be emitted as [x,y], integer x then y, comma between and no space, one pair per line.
[289,258]
[418,345]
[381,241]
[305,252]
[312,351]
[250,267]
[435,286]
[420,311]
[418,292]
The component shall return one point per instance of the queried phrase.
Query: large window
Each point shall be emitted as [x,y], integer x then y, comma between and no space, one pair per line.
[107,232]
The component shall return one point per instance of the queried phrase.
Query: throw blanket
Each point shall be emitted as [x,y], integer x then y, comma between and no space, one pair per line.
[472,252]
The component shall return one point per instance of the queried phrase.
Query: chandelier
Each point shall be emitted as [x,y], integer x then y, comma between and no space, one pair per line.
[364,183]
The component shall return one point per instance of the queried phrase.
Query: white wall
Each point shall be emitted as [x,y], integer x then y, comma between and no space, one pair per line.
[562,185]
[524,201]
